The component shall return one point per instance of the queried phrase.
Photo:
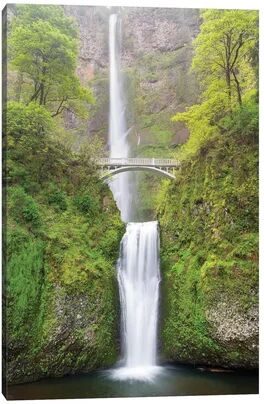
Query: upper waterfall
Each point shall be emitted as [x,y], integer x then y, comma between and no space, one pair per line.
[119,147]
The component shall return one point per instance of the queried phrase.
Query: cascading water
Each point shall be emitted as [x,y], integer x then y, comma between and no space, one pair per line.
[138,264]
[138,272]
[120,185]
[138,278]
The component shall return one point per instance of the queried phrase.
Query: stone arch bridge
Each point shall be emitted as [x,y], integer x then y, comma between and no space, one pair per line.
[112,166]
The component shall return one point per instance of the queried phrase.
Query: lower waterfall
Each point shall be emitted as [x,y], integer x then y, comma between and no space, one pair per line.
[138,279]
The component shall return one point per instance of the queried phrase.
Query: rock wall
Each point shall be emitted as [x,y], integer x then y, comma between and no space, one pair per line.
[156,60]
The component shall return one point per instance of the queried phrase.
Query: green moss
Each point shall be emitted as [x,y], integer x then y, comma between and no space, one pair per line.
[209,246]
[24,281]
[61,246]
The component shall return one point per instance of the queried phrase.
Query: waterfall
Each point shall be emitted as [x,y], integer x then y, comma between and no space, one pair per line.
[139,277]
[138,264]
[121,184]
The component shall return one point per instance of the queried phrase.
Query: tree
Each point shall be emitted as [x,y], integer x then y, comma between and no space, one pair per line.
[223,50]
[26,120]
[43,47]
[32,156]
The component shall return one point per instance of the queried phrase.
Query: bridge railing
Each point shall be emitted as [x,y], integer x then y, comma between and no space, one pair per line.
[137,161]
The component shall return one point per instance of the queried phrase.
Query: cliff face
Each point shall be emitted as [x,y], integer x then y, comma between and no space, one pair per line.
[62,245]
[156,58]
[209,254]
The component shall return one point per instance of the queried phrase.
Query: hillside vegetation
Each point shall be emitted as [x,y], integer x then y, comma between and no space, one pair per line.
[209,216]
[63,228]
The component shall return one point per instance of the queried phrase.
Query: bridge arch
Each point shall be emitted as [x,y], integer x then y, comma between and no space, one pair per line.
[159,171]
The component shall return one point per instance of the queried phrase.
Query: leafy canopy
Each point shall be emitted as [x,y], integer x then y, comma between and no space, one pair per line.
[223,51]
[27,120]
[224,61]
[43,47]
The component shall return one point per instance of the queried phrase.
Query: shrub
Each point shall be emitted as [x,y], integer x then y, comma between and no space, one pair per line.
[31,212]
[57,198]
[244,120]
[86,203]
[31,119]
[22,207]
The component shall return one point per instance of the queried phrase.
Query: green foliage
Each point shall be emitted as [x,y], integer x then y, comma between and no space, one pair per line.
[63,228]
[72,258]
[30,212]
[86,204]
[57,198]
[223,51]
[209,239]
[188,316]
[26,120]
[17,236]
[162,80]
[43,46]
[23,207]
[244,120]
[223,63]
[156,150]
[30,155]
[24,280]
[200,121]
[68,252]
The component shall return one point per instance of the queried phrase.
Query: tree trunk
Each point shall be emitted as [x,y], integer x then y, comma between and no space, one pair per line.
[19,83]
[228,83]
[35,95]
[41,98]
[239,98]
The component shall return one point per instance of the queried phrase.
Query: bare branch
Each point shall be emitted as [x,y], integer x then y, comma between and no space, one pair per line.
[60,108]
[35,95]
[240,44]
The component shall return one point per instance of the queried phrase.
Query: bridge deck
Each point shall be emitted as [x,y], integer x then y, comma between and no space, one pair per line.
[136,161]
